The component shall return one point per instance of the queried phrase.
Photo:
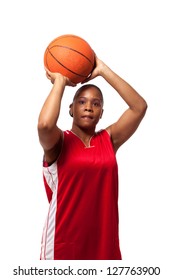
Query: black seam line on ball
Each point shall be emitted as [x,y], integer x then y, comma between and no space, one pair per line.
[67,67]
[65,47]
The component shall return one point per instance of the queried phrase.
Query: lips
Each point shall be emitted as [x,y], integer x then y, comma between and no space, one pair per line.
[87,117]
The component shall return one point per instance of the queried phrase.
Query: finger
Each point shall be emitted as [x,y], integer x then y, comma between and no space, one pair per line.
[73,85]
[48,76]
[70,83]
[87,79]
[46,69]
[48,72]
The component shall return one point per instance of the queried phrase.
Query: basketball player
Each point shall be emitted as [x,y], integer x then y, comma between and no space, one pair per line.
[80,168]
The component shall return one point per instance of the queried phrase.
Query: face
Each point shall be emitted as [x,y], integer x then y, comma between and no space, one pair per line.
[87,108]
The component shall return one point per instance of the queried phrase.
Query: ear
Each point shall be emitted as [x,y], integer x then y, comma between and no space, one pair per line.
[70,110]
[101,113]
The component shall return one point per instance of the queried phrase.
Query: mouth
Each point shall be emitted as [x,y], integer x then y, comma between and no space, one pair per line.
[87,117]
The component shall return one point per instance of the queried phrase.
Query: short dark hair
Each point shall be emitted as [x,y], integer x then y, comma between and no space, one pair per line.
[86,87]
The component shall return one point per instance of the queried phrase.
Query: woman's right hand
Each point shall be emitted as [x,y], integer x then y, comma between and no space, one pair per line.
[53,76]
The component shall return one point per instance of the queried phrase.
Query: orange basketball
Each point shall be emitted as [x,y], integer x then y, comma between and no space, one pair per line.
[71,56]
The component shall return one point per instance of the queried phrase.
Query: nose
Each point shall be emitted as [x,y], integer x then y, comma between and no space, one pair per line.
[88,110]
[88,107]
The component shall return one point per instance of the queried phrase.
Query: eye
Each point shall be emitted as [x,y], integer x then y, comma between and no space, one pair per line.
[97,104]
[81,102]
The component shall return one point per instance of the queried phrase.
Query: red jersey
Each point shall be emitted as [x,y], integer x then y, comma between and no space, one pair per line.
[82,188]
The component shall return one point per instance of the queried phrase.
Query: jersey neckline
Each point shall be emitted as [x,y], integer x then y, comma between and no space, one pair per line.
[85,146]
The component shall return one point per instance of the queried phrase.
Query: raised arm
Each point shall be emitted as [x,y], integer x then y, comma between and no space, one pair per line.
[50,135]
[128,122]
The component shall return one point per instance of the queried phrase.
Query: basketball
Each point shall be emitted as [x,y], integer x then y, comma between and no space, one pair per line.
[71,56]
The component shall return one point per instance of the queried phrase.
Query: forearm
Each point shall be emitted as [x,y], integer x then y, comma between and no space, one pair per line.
[126,91]
[50,111]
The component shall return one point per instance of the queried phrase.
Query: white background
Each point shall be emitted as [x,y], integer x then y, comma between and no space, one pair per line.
[135,39]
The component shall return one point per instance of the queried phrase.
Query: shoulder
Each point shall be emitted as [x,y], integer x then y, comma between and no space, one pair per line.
[103,133]
[103,139]
[104,136]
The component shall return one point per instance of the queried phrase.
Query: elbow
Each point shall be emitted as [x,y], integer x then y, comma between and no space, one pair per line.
[43,126]
[143,107]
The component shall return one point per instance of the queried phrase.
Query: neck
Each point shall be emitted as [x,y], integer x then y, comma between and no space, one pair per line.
[84,134]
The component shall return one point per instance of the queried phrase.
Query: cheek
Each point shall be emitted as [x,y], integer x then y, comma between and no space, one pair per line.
[77,110]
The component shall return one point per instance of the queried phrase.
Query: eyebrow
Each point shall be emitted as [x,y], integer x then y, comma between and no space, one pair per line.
[98,99]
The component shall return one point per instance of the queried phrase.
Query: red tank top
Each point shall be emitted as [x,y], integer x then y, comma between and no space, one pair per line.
[82,188]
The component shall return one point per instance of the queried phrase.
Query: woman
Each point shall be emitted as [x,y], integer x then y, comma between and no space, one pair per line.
[80,169]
